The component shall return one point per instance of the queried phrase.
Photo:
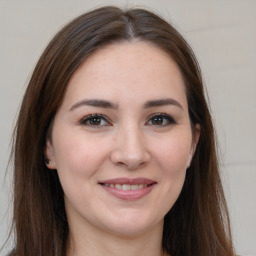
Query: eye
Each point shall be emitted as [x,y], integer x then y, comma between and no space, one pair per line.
[161,120]
[95,120]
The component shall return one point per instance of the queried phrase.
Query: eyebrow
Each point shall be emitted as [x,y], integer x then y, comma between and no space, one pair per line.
[94,103]
[162,102]
[107,104]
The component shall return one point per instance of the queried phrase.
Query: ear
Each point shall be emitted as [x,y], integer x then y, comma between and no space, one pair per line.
[195,139]
[49,155]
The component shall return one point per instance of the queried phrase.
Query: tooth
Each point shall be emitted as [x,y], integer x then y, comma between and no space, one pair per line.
[118,186]
[134,187]
[126,187]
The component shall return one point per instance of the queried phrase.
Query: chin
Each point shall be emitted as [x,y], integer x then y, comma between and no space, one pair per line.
[130,226]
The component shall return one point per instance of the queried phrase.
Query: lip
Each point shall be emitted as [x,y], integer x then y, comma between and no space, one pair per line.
[128,194]
[122,181]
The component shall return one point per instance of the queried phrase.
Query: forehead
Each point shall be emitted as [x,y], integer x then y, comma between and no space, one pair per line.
[127,70]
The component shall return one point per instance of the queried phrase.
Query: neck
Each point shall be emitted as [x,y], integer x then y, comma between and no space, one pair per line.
[98,243]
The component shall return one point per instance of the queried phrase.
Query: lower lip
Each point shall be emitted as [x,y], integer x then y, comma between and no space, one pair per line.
[129,194]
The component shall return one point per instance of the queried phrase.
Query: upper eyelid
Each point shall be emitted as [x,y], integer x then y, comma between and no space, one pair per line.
[83,119]
[164,115]
[95,115]
[161,114]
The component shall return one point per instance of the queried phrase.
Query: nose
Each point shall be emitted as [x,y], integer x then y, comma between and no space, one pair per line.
[129,149]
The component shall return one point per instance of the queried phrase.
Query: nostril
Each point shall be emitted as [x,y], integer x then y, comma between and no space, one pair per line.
[130,162]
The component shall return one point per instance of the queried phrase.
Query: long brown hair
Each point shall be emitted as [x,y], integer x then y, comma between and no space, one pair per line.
[198,223]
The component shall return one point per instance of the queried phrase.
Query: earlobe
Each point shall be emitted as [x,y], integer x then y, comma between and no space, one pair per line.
[49,156]
[189,160]
[196,137]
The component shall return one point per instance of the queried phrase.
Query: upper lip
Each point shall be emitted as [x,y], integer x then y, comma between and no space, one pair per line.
[122,181]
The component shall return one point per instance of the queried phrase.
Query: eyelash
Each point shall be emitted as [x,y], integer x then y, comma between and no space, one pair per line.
[86,120]
[169,119]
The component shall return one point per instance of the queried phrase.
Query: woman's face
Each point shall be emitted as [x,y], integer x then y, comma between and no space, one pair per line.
[121,141]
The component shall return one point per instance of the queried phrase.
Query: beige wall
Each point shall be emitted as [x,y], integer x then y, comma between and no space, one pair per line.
[223,35]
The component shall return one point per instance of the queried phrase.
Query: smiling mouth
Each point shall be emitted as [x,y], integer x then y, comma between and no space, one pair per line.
[126,186]
[128,189]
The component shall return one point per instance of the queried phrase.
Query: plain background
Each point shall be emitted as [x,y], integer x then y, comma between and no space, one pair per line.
[223,36]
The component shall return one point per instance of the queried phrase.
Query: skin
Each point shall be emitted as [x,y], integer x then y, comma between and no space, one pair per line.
[125,141]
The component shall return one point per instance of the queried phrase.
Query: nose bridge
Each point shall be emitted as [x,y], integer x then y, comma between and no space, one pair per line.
[132,139]
[130,147]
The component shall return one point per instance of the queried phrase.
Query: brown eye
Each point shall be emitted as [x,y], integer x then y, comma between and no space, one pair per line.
[157,120]
[161,120]
[95,120]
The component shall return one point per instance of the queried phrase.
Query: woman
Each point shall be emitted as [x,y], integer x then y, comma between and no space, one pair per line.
[114,150]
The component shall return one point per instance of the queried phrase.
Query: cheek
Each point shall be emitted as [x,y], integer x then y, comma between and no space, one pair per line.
[78,158]
[173,154]
[74,148]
